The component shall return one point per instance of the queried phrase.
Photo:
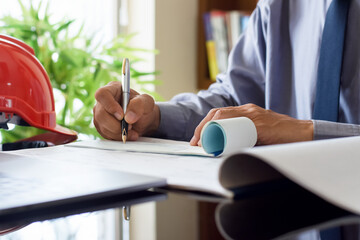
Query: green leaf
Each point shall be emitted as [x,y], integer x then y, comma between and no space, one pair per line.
[75,71]
[64,26]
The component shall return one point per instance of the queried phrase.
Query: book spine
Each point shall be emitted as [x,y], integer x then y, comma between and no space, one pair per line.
[235,29]
[217,20]
[210,48]
[229,28]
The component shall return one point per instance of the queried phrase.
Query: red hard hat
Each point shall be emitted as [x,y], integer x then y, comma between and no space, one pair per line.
[26,96]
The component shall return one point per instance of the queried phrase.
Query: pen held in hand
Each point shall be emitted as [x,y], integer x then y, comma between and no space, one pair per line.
[124,130]
[125,96]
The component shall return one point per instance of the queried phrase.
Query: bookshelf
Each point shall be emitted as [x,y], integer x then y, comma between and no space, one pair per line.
[203,79]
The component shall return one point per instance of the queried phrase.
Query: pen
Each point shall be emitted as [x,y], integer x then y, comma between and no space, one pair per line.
[126,212]
[125,96]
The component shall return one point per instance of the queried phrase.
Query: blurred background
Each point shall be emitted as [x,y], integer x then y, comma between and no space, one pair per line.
[157,24]
[81,45]
[84,40]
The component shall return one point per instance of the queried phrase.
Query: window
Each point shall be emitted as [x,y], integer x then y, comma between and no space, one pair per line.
[100,21]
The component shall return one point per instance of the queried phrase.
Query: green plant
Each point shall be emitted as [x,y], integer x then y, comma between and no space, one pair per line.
[76,69]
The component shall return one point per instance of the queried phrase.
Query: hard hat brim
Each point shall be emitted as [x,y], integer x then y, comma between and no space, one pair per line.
[52,138]
[63,130]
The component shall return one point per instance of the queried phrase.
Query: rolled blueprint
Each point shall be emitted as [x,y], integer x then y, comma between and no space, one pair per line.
[228,136]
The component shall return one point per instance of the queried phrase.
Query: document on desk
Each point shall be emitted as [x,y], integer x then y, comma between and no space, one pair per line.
[189,172]
[144,145]
[328,168]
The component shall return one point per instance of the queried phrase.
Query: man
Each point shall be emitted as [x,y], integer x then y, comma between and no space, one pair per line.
[271,79]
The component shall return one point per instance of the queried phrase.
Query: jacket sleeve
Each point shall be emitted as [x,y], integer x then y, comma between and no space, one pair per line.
[242,83]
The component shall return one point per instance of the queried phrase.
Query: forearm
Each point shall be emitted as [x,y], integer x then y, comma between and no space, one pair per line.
[242,83]
[326,129]
[173,121]
[180,116]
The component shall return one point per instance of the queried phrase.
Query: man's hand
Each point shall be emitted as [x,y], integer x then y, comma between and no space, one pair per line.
[142,114]
[272,127]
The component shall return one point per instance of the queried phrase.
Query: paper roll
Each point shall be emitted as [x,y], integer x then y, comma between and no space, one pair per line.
[228,136]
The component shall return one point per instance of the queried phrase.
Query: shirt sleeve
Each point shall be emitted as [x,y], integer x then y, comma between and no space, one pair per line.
[242,83]
[326,129]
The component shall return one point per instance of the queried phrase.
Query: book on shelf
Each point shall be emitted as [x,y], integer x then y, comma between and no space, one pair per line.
[222,31]
[233,24]
[217,20]
[210,48]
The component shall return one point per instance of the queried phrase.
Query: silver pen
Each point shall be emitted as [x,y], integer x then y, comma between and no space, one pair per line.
[125,96]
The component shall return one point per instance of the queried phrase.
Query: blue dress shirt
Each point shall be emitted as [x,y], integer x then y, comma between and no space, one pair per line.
[274,65]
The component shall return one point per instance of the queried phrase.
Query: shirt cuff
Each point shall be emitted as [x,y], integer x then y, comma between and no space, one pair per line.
[326,129]
[172,121]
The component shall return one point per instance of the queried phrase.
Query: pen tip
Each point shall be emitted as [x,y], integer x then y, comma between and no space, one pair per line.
[124,138]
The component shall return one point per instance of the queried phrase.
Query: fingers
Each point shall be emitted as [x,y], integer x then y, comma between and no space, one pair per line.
[108,112]
[108,98]
[110,128]
[138,106]
[228,112]
[132,135]
[216,114]
[196,138]
[107,125]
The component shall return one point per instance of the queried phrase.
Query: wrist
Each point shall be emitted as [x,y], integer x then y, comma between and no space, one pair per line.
[155,120]
[156,117]
[308,130]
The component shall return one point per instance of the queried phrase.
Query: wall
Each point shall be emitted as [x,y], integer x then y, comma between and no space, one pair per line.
[175,38]
[177,218]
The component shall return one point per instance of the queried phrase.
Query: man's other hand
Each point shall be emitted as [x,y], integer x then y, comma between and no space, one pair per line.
[272,127]
[142,114]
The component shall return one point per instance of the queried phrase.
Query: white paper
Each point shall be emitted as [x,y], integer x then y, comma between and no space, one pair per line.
[183,172]
[144,145]
[328,168]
